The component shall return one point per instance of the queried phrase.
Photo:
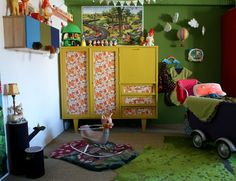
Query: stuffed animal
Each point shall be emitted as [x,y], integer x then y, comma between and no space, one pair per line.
[24,5]
[17,114]
[47,10]
[14,7]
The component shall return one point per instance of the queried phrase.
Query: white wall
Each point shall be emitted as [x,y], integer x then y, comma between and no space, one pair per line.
[37,77]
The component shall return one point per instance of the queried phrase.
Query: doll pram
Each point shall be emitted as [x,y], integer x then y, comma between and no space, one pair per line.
[220,129]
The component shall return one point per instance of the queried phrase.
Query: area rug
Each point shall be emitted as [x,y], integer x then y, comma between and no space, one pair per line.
[178,160]
[112,155]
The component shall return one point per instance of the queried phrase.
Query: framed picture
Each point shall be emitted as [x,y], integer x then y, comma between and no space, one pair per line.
[121,24]
[3,155]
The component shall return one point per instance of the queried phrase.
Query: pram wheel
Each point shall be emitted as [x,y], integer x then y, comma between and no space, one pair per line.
[198,141]
[223,150]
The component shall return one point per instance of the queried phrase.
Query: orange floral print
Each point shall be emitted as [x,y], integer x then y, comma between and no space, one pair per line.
[104,82]
[76,83]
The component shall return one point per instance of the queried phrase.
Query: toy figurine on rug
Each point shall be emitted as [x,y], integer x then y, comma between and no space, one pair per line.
[150,37]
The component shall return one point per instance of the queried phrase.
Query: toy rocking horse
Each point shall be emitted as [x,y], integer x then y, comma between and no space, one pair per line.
[99,138]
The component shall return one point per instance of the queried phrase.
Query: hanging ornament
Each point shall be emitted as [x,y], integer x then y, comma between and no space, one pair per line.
[167,27]
[175,17]
[203,30]
[182,35]
[193,23]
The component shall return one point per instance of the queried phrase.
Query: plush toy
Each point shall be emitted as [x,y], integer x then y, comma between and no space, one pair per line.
[47,10]
[14,7]
[17,114]
[24,6]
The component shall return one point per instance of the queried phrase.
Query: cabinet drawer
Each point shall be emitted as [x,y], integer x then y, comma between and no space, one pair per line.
[146,112]
[138,89]
[138,100]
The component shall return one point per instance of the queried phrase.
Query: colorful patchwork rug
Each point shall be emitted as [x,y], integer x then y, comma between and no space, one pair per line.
[96,157]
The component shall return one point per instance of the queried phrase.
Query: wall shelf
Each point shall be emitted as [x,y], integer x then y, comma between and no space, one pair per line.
[20,32]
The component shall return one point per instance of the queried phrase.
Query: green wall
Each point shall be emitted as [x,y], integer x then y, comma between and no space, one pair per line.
[156,16]
[206,71]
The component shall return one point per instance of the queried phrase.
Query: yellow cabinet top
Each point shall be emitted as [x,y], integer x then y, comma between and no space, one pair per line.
[138,64]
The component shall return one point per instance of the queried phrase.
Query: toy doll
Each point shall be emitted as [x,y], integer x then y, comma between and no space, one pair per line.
[150,37]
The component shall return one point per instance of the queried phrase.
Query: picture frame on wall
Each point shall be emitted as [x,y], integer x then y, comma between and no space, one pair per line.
[3,155]
[116,23]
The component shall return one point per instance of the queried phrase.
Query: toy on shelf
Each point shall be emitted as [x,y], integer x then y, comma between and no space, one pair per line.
[83,43]
[62,14]
[24,7]
[102,42]
[142,41]
[47,10]
[150,37]
[14,7]
[90,43]
[71,35]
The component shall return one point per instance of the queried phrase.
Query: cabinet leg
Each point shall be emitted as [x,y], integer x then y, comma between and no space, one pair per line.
[76,123]
[144,123]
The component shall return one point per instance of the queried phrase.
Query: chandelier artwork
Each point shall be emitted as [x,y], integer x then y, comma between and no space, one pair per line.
[125,2]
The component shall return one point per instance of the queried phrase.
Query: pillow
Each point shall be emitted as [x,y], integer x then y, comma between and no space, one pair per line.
[208,88]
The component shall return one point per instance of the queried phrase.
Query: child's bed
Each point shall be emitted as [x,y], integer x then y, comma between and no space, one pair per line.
[219,126]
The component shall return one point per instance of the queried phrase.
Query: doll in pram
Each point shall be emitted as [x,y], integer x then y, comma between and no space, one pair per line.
[216,119]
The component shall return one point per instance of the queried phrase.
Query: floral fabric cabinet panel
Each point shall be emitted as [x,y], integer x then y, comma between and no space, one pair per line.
[74,82]
[104,82]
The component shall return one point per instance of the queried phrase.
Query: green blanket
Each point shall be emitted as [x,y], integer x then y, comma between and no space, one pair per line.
[202,107]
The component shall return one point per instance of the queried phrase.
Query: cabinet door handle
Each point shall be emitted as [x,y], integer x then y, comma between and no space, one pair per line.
[135,49]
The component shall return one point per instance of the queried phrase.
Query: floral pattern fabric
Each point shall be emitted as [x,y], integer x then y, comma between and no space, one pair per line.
[128,111]
[139,100]
[138,89]
[104,82]
[76,83]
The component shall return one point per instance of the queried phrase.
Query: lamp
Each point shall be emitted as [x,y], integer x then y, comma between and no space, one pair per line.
[12,89]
